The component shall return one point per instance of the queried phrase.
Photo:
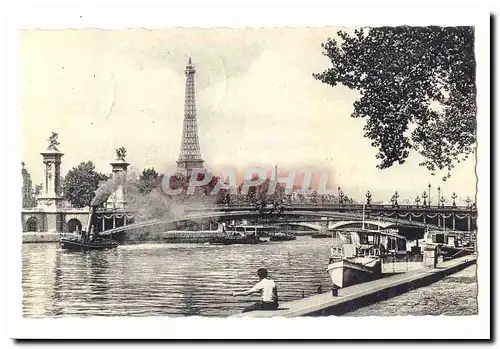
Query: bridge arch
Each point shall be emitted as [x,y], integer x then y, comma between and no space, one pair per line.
[32,224]
[372,225]
[303,225]
[74,224]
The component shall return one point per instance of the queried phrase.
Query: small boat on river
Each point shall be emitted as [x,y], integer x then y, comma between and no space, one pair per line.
[450,244]
[359,255]
[320,235]
[281,236]
[241,235]
[87,240]
[79,244]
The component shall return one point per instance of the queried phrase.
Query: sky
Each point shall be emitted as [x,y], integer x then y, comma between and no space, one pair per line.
[257,105]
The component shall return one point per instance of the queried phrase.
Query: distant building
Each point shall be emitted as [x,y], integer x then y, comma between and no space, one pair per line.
[27,188]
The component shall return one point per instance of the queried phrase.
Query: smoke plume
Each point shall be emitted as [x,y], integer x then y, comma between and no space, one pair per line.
[152,205]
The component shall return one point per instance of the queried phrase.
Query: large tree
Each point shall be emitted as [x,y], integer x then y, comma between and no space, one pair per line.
[148,180]
[417,90]
[80,184]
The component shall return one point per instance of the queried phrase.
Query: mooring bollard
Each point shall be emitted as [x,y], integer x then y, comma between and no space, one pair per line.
[335,291]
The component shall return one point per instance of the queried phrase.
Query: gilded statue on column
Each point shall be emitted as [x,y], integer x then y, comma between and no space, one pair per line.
[53,142]
[121,153]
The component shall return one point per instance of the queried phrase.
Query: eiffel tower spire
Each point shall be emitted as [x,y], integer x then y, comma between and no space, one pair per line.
[190,154]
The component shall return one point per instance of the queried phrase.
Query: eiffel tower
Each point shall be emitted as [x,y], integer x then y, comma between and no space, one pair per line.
[190,154]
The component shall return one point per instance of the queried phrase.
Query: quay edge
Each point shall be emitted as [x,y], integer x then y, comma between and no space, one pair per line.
[354,297]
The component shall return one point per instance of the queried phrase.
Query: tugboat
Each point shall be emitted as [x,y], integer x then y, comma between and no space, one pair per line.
[87,240]
[80,244]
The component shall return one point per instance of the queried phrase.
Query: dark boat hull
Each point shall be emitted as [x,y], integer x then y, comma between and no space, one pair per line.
[73,245]
[282,238]
[321,236]
[449,252]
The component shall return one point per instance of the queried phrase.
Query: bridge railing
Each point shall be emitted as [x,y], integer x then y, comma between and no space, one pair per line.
[336,206]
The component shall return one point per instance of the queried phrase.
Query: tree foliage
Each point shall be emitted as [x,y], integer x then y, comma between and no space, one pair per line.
[417,90]
[148,180]
[80,184]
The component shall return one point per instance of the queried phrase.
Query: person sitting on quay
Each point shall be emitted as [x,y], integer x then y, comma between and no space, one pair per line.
[268,290]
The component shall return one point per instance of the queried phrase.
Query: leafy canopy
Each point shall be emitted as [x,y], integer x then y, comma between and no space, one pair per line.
[417,90]
[80,184]
[148,180]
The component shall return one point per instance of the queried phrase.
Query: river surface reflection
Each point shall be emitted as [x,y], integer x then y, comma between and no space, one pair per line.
[188,279]
[165,279]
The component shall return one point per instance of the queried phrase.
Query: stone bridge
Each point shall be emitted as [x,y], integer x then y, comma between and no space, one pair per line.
[270,218]
[452,217]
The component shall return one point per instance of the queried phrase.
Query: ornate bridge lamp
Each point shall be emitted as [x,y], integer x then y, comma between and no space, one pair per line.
[468,201]
[417,200]
[368,198]
[341,196]
[454,196]
[429,194]
[439,195]
[424,196]
[442,201]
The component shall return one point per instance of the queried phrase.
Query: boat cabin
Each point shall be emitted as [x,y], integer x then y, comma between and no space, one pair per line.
[453,239]
[365,246]
[363,242]
[244,230]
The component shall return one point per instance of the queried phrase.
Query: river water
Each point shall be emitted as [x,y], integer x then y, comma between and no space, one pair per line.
[196,279]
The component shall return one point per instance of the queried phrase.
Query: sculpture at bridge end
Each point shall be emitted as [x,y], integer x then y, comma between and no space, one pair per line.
[53,142]
[121,153]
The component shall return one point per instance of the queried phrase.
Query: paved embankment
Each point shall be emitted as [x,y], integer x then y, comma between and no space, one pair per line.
[353,297]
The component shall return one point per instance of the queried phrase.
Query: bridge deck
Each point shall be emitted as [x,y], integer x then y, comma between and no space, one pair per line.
[352,297]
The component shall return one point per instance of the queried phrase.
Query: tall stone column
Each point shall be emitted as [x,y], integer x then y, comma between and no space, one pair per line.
[50,200]
[51,195]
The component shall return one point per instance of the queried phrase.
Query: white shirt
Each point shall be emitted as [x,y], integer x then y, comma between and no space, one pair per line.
[266,287]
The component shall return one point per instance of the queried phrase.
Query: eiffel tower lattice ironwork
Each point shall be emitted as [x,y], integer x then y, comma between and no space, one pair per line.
[190,154]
